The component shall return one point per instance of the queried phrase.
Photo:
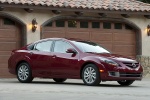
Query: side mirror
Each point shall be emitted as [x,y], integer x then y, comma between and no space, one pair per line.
[71,50]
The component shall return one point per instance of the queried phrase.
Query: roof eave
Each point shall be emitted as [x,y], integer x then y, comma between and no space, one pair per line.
[39,7]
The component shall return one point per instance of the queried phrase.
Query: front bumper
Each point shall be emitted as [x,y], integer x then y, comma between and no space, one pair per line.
[122,73]
[115,76]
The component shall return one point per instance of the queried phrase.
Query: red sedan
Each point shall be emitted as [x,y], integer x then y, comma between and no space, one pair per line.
[60,58]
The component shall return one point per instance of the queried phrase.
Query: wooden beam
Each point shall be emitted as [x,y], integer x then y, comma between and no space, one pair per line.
[28,10]
[102,14]
[79,13]
[56,11]
[1,8]
[147,16]
[125,15]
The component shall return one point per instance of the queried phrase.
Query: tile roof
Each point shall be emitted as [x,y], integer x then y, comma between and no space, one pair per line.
[115,5]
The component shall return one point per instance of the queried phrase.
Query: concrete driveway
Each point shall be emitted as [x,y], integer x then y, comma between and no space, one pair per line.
[47,89]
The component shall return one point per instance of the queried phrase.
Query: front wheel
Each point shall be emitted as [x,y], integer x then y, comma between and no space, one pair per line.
[91,75]
[125,82]
[24,73]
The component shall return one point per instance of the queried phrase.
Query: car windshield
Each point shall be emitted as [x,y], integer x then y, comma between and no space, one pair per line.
[89,47]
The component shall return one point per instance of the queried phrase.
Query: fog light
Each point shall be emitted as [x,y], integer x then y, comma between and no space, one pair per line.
[114,74]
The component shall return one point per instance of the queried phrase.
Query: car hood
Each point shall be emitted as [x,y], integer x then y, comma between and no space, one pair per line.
[116,57]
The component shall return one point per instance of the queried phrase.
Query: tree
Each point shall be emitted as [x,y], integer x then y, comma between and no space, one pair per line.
[145,1]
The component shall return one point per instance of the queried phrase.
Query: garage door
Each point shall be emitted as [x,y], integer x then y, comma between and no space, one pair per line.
[9,40]
[117,37]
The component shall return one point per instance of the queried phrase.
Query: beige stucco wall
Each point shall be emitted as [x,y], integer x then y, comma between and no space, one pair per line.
[44,15]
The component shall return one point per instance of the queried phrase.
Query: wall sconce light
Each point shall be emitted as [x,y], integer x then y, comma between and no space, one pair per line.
[34,25]
[148,30]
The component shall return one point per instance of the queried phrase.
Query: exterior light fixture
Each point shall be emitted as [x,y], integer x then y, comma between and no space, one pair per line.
[34,25]
[148,30]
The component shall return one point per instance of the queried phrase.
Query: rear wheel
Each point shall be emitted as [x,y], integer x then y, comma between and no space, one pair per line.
[91,75]
[125,82]
[24,73]
[59,80]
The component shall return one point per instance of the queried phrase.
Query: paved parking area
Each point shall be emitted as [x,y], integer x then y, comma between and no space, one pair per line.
[47,89]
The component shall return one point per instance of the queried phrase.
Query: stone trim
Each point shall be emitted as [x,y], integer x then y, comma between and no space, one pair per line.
[145,62]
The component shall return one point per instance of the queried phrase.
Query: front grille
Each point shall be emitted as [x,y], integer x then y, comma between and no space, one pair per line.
[131,65]
[130,75]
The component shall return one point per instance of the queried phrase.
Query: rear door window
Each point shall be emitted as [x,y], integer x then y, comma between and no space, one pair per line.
[43,46]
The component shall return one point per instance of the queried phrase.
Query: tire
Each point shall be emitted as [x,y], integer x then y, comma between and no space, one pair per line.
[24,73]
[125,82]
[59,80]
[91,75]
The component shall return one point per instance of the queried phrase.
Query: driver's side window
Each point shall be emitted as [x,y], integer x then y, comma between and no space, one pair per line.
[61,46]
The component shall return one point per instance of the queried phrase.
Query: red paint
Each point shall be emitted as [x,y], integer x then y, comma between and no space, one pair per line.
[68,65]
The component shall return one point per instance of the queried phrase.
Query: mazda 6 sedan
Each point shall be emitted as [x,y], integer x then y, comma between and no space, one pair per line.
[60,58]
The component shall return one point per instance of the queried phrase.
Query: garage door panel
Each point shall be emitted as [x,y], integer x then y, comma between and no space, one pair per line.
[7,46]
[4,59]
[5,52]
[125,48]
[124,37]
[5,72]
[7,33]
[105,44]
[108,47]
[78,35]
[101,36]
[120,41]
[125,54]
[78,30]
[124,42]
[53,34]
[8,40]
[53,29]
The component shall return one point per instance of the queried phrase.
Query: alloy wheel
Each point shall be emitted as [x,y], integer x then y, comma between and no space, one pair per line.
[89,75]
[23,72]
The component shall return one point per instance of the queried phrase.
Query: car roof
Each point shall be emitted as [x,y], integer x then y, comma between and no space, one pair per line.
[71,39]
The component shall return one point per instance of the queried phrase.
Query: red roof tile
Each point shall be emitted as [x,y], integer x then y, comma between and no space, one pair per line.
[125,5]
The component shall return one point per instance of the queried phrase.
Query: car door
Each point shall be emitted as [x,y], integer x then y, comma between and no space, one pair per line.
[40,58]
[64,64]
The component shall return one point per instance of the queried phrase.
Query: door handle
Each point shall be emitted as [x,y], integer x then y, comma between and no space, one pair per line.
[53,56]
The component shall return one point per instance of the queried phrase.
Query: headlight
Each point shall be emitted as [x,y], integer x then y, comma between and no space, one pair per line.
[108,61]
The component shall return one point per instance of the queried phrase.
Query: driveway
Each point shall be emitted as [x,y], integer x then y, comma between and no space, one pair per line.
[47,89]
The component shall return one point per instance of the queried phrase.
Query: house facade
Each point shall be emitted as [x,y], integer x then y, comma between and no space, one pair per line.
[121,26]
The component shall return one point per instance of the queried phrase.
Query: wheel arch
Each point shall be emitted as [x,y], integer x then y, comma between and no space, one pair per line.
[22,61]
[86,63]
